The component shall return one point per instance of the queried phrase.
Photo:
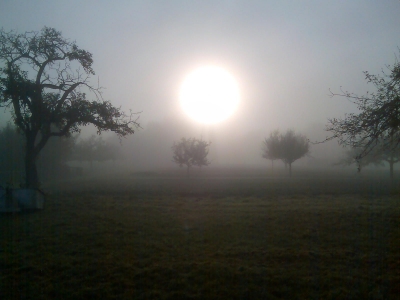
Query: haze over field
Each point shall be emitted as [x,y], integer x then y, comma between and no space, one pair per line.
[197,198]
[285,56]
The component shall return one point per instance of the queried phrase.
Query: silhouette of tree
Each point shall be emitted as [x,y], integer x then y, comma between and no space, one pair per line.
[11,155]
[42,81]
[270,149]
[376,156]
[377,123]
[200,152]
[85,150]
[190,152]
[94,149]
[51,162]
[287,147]
[350,157]
[391,156]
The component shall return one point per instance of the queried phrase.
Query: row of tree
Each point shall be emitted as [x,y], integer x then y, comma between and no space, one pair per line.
[287,147]
[377,156]
[44,79]
[52,160]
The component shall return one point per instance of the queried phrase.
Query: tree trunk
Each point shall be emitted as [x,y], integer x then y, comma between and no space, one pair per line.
[31,175]
[187,171]
[290,169]
[391,163]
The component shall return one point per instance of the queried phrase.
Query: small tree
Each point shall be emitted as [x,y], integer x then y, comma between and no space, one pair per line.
[85,150]
[107,151]
[378,122]
[40,80]
[190,152]
[94,149]
[287,147]
[391,156]
[51,162]
[270,148]
[350,158]
[200,153]
[376,156]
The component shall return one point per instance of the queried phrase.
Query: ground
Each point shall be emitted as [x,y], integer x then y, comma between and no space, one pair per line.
[163,236]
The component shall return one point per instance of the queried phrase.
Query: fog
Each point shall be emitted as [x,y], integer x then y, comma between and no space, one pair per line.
[285,56]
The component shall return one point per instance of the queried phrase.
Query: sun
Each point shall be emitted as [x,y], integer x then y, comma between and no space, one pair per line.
[209,94]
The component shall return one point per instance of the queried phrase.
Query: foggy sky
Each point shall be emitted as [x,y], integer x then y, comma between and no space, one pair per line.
[286,55]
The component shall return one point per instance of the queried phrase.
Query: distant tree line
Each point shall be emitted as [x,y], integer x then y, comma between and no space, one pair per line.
[52,162]
[94,149]
[377,157]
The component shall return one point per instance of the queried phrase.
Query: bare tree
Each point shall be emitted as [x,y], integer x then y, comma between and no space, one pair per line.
[190,152]
[44,80]
[287,147]
[377,123]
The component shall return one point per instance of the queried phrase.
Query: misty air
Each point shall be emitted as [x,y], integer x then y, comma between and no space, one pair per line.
[199,150]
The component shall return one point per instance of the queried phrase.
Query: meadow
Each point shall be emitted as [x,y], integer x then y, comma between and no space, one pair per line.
[220,234]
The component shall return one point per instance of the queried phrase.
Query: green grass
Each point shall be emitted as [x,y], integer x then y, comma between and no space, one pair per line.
[216,238]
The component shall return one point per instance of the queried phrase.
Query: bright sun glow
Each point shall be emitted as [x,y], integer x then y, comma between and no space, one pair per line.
[209,94]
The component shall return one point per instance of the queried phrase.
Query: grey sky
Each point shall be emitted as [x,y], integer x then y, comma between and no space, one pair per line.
[286,55]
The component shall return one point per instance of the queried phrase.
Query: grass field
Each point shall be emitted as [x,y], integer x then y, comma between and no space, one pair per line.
[162,236]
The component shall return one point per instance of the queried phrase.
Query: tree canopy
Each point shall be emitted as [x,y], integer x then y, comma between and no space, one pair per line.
[44,79]
[287,147]
[376,125]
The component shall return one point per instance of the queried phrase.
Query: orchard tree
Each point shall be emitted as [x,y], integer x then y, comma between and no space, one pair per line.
[11,155]
[376,125]
[293,146]
[391,156]
[85,150]
[287,147]
[94,148]
[376,156]
[190,152]
[44,79]
[351,157]
[200,152]
[51,162]
[270,148]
